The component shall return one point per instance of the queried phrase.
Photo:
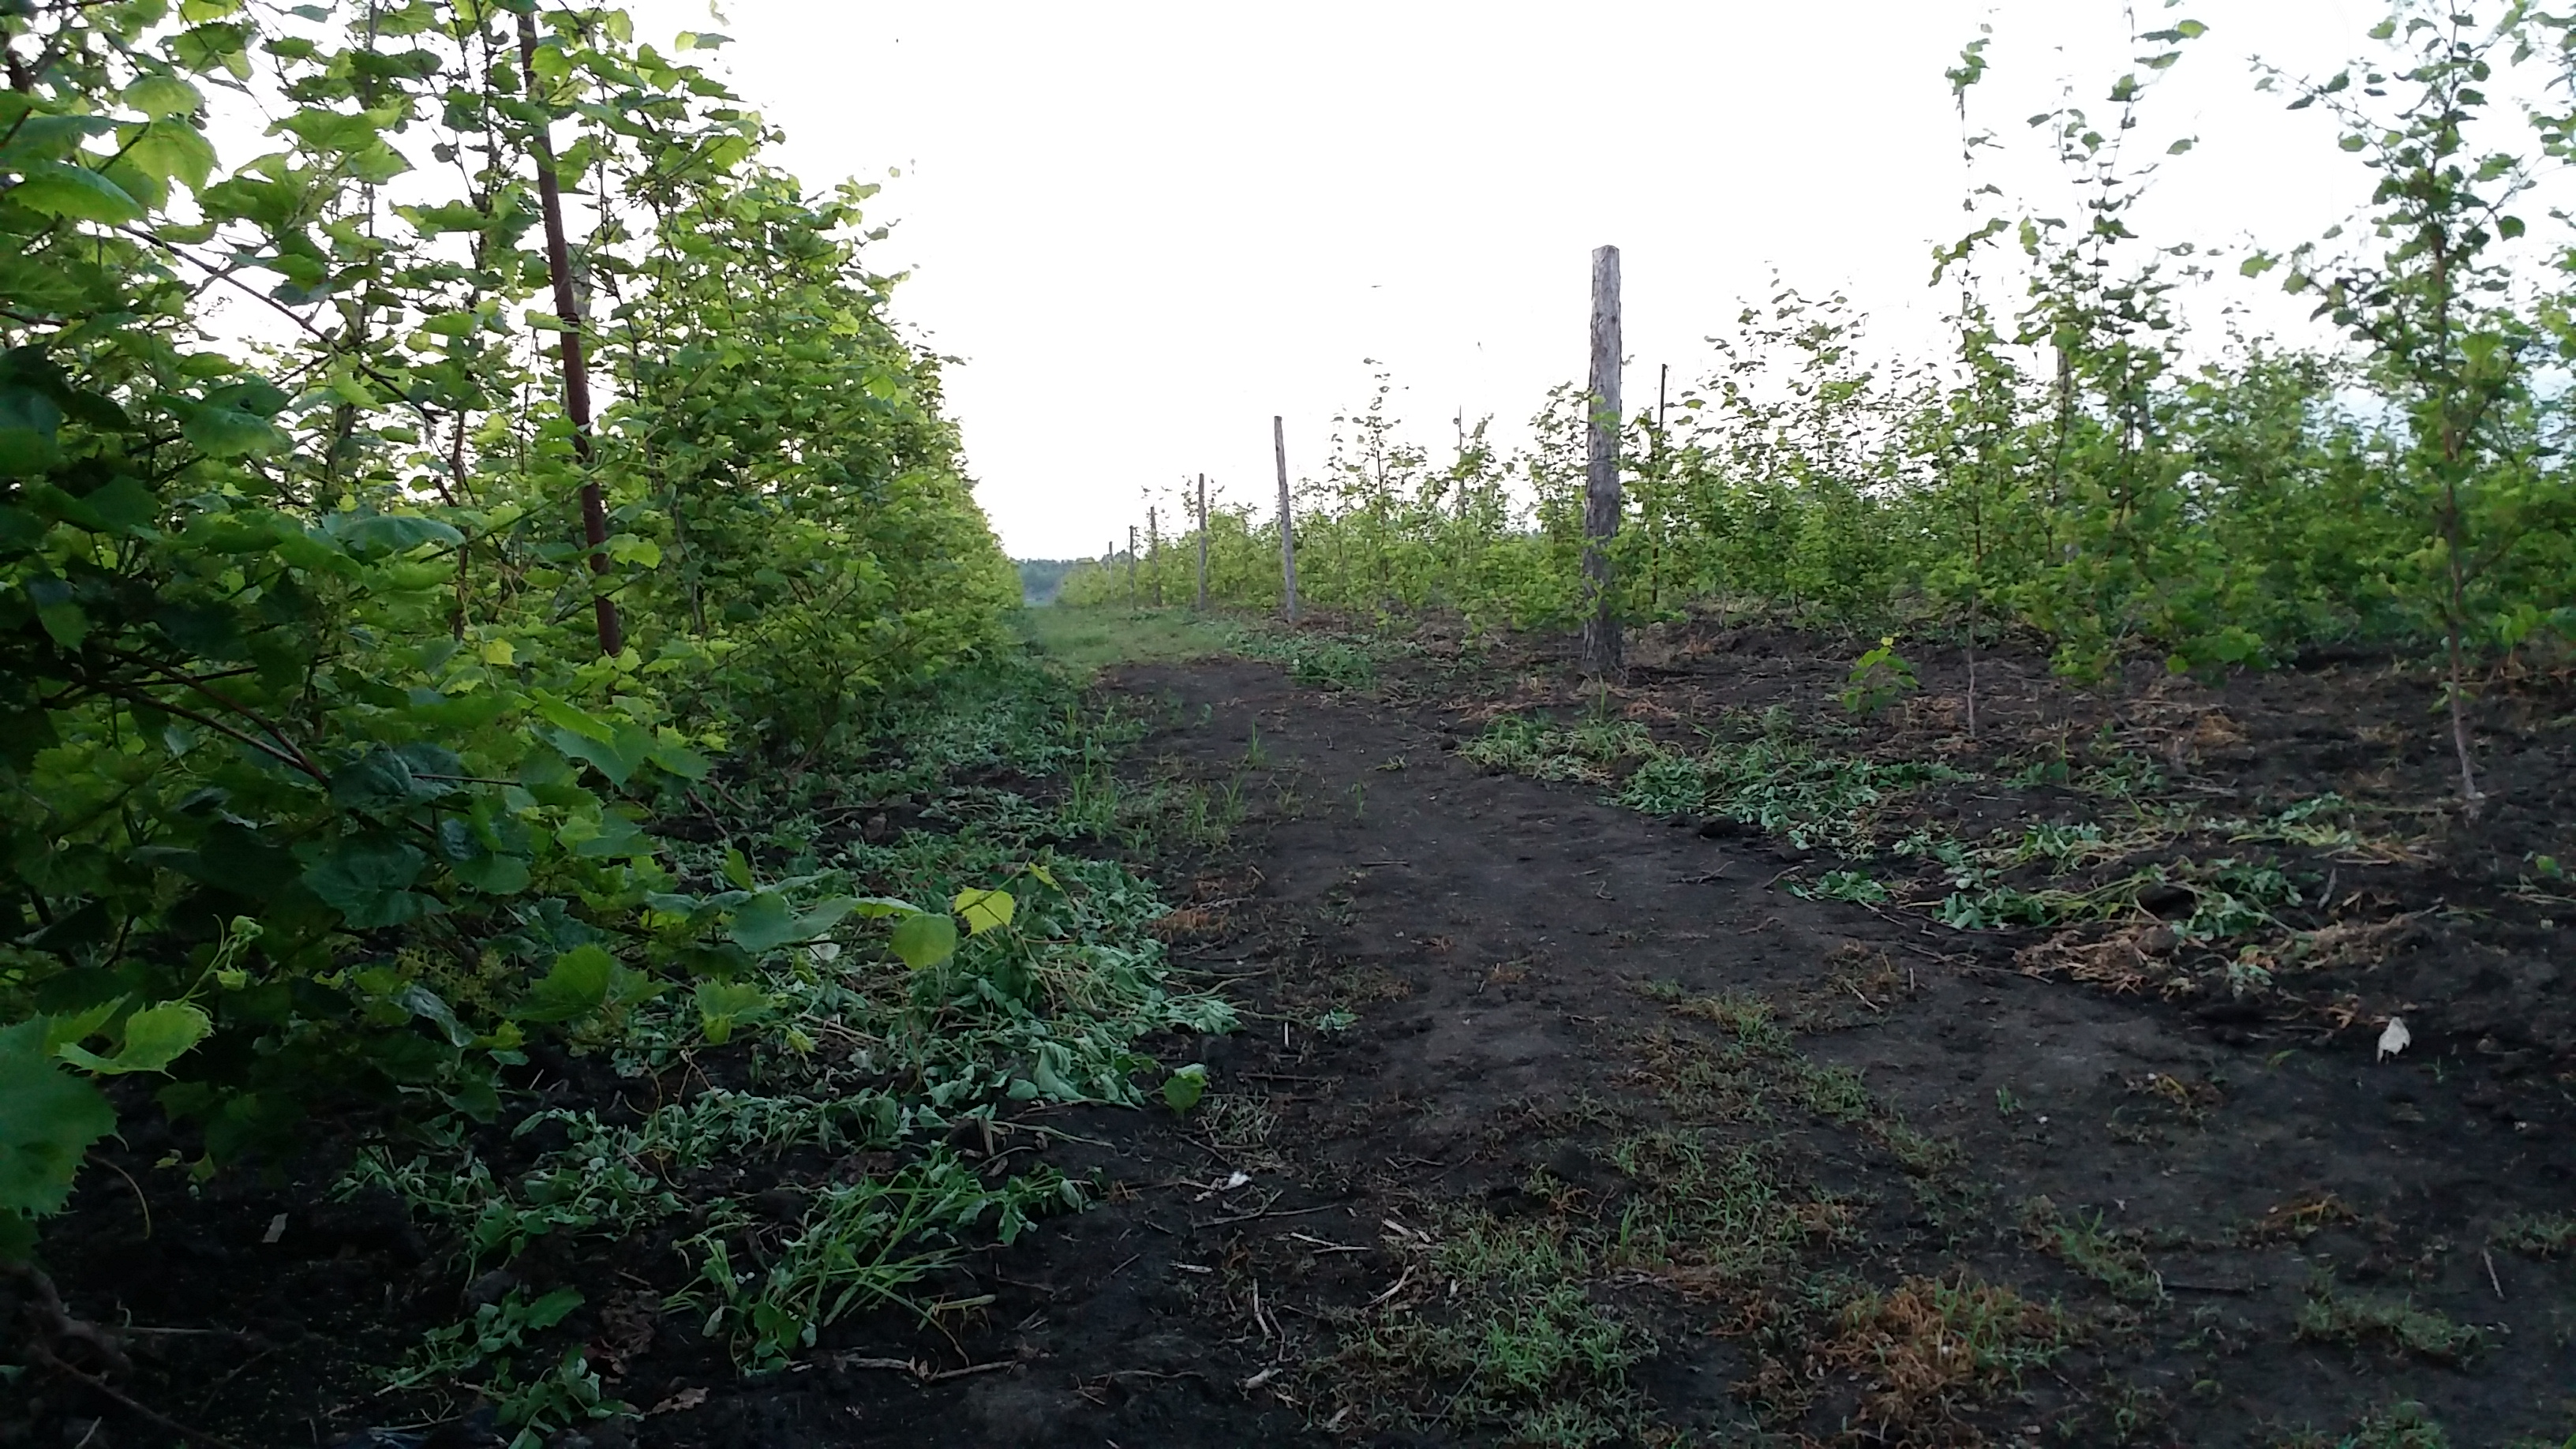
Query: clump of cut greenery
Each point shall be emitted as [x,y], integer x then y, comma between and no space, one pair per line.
[1776,781]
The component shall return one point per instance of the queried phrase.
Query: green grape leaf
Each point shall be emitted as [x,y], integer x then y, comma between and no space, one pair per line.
[494,875]
[1048,1072]
[723,1004]
[17,1237]
[170,151]
[390,779]
[678,759]
[923,941]
[226,432]
[155,1037]
[577,985]
[428,1005]
[48,1119]
[163,95]
[1183,1089]
[616,756]
[766,922]
[368,880]
[983,910]
[76,193]
[29,421]
[80,1026]
[374,535]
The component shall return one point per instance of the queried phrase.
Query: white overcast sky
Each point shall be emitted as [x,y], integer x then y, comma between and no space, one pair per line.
[1145,228]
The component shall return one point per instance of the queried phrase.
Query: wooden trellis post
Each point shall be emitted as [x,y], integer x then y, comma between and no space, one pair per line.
[1154,553]
[1131,566]
[1601,643]
[1203,542]
[1287,529]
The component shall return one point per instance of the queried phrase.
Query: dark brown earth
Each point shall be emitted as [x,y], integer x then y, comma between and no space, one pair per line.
[1615,1139]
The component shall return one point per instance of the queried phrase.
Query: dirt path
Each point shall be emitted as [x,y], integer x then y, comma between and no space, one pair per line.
[1554,1124]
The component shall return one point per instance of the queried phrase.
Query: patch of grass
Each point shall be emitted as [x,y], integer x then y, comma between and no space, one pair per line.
[2128,1413]
[1543,750]
[1732,1083]
[1701,1083]
[1240,1126]
[2402,1425]
[1166,818]
[1709,1217]
[1748,1018]
[1514,1343]
[1085,641]
[1323,660]
[1332,665]
[1782,784]
[1854,886]
[2111,1259]
[2333,1316]
[1778,781]
[2537,1235]
[1836,1094]
[1919,1153]
[1929,1349]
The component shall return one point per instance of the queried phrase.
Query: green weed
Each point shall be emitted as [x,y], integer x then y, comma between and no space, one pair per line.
[1854,886]
[562,1392]
[2537,1235]
[2402,1425]
[1930,1348]
[1776,781]
[1748,1018]
[1709,1216]
[1879,677]
[2331,1316]
[1528,1350]
[862,1244]
[2113,1260]
[1836,1094]
[857,1046]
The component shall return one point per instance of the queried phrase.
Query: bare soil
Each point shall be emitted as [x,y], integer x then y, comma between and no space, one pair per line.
[1557,1123]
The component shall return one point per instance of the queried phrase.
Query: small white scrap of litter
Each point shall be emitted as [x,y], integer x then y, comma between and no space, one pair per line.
[276,1229]
[2393,1039]
[1232,1181]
